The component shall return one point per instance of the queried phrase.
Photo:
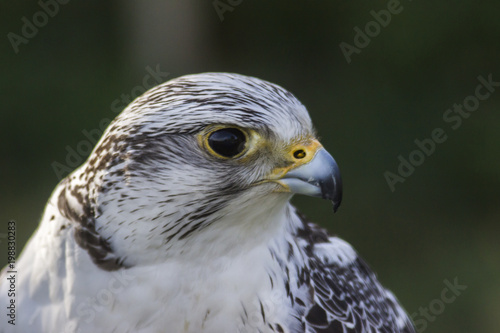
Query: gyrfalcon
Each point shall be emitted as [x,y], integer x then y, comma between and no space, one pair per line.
[180,221]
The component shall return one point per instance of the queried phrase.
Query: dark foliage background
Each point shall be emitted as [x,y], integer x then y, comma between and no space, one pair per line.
[441,223]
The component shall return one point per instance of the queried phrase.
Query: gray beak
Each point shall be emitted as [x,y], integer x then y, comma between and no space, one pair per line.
[318,178]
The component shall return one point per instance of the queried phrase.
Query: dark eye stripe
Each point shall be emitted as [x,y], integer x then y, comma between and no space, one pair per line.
[227,142]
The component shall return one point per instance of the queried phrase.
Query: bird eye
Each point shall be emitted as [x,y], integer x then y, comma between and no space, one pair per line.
[227,142]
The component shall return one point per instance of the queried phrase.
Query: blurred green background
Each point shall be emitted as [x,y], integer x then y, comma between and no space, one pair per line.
[442,223]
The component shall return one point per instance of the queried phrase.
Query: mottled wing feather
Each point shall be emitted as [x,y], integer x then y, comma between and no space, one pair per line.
[346,295]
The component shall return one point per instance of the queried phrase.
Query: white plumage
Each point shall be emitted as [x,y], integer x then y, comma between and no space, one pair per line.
[169,227]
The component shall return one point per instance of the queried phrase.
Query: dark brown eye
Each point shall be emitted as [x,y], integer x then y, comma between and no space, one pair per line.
[227,142]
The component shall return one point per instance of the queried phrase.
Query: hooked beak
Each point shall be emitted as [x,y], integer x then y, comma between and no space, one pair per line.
[320,177]
[311,170]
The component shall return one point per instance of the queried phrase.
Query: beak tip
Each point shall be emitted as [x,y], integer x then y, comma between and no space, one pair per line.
[336,198]
[336,205]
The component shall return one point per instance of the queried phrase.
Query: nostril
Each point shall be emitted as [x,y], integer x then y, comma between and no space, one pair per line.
[299,154]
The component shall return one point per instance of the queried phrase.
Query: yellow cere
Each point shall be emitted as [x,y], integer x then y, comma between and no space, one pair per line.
[299,154]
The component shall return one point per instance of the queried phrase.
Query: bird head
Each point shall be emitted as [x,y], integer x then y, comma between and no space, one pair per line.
[202,153]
